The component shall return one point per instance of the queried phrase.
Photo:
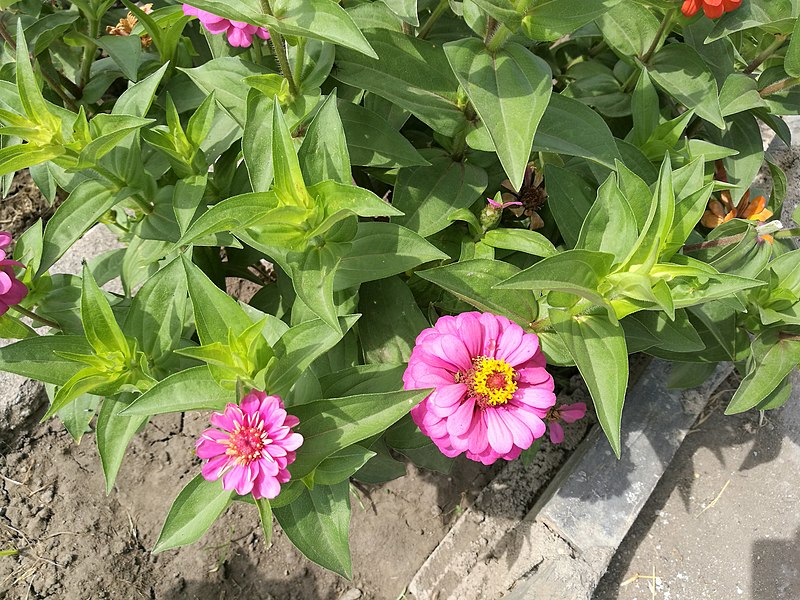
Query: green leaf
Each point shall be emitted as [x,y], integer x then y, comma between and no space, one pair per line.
[341,465]
[324,153]
[137,99]
[380,250]
[429,195]
[411,73]
[312,276]
[405,9]
[36,357]
[644,109]
[552,19]
[572,128]
[521,240]
[363,379]
[89,201]
[791,62]
[610,225]
[570,199]
[327,426]
[195,509]
[629,28]
[510,91]
[289,185]
[301,346]
[190,389]
[318,524]
[681,72]
[231,214]
[673,335]
[738,94]
[114,433]
[774,16]
[125,51]
[598,348]
[338,196]
[576,272]
[30,96]
[744,135]
[371,142]
[101,328]
[77,415]
[473,281]
[215,313]
[773,358]
[391,321]
[225,77]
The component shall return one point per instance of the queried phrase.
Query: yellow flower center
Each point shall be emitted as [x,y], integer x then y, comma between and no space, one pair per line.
[492,381]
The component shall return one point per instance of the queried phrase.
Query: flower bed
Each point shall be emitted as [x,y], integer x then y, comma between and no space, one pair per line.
[443,219]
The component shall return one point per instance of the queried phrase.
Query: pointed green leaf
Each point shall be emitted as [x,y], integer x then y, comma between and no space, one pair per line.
[114,433]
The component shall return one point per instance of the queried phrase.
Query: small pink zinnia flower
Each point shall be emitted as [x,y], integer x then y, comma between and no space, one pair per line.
[569,413]
[492,391]
[12,291]
[253,449]
[240,34]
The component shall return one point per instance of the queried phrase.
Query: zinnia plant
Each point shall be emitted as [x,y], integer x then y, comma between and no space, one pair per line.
[342,171]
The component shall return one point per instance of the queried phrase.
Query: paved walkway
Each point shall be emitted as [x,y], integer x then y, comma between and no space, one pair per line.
[724,521]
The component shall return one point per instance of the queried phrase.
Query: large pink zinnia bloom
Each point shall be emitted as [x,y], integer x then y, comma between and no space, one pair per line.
[12,291]
[253,449]
[492,391]
[240,34]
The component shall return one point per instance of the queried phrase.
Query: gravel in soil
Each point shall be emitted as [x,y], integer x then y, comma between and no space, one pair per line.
[23,205]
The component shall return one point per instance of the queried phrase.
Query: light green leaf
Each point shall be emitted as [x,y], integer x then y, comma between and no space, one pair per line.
[114,433]
[195,509]
[474,282]
[318,523]
[598,348]
[509,90]
[190,389]
[102,330]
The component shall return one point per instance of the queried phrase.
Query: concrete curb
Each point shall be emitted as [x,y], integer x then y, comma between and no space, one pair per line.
[561,548]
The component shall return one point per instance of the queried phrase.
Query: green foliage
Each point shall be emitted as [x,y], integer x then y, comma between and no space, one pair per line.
[342,170]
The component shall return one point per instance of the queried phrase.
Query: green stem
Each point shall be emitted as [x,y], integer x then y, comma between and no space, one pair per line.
[257,54]
[778,86]
[440,9]
[280,51]
[501,34]
[34,317]
[772,49]
[146,206]
[89,51]
[661,34]
[787,233]
[725,241]
[299,57]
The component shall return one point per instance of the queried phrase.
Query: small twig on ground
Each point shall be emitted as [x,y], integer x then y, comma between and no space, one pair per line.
[714,501]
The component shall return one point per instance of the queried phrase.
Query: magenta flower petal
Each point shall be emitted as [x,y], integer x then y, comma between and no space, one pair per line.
[5,239]
[252,447]
[556,432]
[572,412]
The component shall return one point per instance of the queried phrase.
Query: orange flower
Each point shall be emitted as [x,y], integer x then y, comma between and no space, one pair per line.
[712,8]
[721,211]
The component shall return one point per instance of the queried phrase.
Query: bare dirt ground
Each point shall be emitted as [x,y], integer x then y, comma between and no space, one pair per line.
[76,543]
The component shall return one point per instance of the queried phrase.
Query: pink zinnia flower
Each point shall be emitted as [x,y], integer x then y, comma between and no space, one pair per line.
[240,34]
[492,391]
[569,413]
[253,449]
[12,291]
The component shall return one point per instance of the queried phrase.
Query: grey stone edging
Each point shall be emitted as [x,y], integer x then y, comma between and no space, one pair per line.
[562,547]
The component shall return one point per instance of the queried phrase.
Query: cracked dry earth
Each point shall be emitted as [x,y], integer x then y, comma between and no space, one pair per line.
[74,542]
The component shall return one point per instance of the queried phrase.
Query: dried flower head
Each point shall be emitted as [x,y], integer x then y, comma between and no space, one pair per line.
[532,196]
[126,25]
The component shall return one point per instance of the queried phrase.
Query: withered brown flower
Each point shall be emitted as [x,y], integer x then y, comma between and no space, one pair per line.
[126,25]
[532,195]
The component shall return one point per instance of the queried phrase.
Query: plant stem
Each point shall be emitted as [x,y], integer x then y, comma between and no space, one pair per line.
[497,39]
[787,233]
[34,317]
[725,241]
[89,51]
[663,31]
[783,84]
[257,55]
[772,49]
[280,51]
[440,9]
[298,62]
